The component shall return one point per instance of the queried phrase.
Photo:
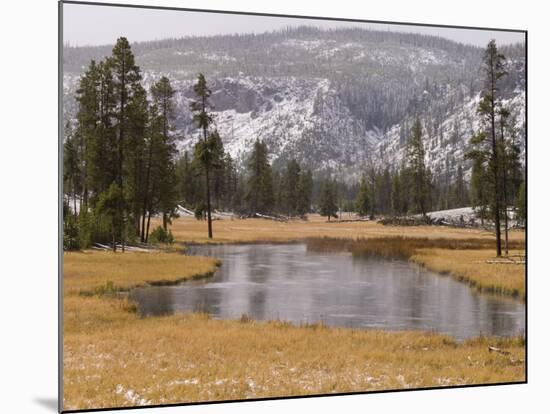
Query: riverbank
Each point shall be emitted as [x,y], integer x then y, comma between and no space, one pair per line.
[92,272]
[477,268]
[114,358]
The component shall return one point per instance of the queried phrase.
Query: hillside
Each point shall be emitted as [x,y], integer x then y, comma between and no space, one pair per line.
[333,99]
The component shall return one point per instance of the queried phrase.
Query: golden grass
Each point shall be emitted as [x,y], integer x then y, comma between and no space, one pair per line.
[91,270]
[399,246]
[112,358]
[472,267]
[189,230]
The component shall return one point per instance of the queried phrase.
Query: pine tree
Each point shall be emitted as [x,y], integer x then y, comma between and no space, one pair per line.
[230,182]
[134,168]
[163,99]
[417,169]
[460,193]
[397,194]
[126,78]
[108,206]
[479,197]
[372,194]
[494,70]
[71,166]
[362,202]
[504,114]
[186,178]
[218,178]
[290,188]
[208,153]
[511,165]
[259,193]
[327,200]
[203,118]
[521,204]
[305,189]
[152,175]
[383,184]
[99,144]
[88,99]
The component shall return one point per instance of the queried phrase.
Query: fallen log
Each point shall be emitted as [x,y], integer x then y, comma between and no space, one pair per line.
[498,350]
[516,262]
[264,216]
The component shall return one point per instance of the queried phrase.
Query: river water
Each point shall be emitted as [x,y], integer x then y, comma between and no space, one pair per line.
[287,282]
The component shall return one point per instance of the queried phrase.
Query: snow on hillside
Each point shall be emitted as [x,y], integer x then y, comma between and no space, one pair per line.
[334,100]
[446,146]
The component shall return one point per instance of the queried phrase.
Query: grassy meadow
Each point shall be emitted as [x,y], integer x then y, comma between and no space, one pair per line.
[114,358]
[189,230]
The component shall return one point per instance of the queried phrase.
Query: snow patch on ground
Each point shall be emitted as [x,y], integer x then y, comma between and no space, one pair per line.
[131,396]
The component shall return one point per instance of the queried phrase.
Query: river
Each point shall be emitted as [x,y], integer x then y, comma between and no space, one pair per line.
[288,282]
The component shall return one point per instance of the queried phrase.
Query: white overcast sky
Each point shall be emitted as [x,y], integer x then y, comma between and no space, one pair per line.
[99,25]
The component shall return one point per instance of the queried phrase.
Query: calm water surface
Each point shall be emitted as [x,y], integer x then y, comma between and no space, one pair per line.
[289,283]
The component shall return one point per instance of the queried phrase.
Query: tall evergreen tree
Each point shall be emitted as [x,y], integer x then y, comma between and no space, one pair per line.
[327,200]
[417,169]
[479,197]
[398,202]
[218,176]
[134,168]
[362,202]
[494,70]
[291,190]
[99,141]
[521,204]
[126,78]
[163,100]
[89,100]
[383,184]
[460,195]
[202,117]
[187,178]
[71,166]
[305,189]
[259,193]
[230,182]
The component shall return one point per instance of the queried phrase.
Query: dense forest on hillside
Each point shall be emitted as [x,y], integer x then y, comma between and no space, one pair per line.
[122,165]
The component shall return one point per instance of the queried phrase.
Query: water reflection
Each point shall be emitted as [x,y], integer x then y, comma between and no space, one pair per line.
[286,282]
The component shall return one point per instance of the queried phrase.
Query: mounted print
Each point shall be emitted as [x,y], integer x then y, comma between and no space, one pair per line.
[257,206]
